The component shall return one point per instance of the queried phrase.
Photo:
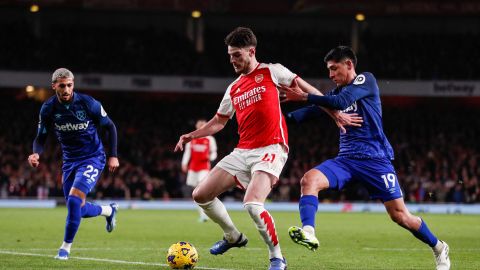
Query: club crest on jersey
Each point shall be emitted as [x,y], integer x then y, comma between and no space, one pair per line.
[360,79]
[81,115]
[258,78]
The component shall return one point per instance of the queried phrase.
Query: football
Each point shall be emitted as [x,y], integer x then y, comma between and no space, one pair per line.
[182,255]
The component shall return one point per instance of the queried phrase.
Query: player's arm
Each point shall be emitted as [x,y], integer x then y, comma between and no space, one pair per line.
[113,162]
[306,113]
[40,139]
[300,87]
[213,126]
[102,118]
[343,100]
[186,158]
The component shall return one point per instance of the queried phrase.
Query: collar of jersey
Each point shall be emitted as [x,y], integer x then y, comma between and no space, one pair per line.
[252,70]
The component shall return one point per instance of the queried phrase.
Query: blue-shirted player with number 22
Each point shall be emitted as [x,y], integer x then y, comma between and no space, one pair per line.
[365,154]
[75,117]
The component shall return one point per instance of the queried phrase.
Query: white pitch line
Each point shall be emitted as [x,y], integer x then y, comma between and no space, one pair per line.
[101,260]
[146,249]
[418,249]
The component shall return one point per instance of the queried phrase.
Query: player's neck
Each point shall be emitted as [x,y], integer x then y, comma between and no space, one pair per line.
[252,66]
[351,77]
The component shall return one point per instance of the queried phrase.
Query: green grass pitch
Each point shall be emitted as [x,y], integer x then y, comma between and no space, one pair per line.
[29,238]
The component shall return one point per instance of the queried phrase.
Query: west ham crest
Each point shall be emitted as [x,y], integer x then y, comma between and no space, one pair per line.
[81,115]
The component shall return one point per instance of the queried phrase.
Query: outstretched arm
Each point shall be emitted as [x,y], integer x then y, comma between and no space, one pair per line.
[113,162]
[213,126]
[301,89]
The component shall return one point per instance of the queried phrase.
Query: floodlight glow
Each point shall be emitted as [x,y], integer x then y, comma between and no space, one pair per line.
[196,14]
[29,89]
[34,8]
[360,17]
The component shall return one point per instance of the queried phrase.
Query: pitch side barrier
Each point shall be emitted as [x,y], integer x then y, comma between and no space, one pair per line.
[193,84]
[471,209]
[20,203]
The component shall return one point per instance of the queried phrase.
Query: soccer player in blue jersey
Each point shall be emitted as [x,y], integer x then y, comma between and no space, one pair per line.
[75,117]
[365,154]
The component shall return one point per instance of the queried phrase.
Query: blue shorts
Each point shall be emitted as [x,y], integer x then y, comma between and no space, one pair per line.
[377,175]
[83,174]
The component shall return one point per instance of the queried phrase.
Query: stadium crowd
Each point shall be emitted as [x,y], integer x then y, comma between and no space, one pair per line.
[437,154]
[120,49]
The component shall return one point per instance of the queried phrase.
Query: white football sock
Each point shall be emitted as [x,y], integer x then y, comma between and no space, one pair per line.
[217,212]
[106,210]
[203,216]
[309,229]
[266,227]
[437,249]
[66,246]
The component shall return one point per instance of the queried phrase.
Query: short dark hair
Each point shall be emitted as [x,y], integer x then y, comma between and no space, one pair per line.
[241,37]
[341,53]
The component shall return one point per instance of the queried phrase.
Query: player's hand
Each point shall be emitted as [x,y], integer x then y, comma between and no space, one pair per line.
[113,164]
[185,138]
[34,160]
[344,119]
[184,168]
[292,92]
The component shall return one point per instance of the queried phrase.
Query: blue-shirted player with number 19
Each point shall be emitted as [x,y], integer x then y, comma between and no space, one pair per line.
[75,117]
[365,154]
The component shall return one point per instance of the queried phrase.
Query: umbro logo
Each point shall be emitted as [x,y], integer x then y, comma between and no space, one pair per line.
[58,115]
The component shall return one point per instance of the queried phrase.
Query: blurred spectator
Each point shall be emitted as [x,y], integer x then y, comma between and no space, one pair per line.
[436,157]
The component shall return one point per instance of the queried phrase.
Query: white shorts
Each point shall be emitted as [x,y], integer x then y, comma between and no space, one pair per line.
[241,163]
[194,178]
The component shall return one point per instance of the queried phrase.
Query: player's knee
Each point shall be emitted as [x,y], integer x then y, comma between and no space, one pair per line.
[199,196]
[312,181]
[400,218]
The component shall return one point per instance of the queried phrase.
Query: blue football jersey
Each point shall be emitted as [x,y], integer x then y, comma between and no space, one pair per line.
[75,125]
[362,96]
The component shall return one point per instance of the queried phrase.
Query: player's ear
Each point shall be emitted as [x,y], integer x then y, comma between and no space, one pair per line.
[251,51]
[349,64]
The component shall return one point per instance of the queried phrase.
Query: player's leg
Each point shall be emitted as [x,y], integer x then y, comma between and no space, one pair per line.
[87,176]
[330,174]
[205,195]
[193,180]
[255,196]
[380,178]
[399,214]
[72,221]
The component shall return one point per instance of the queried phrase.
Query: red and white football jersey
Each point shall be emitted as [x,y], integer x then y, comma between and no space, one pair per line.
[254,98]
[199,152]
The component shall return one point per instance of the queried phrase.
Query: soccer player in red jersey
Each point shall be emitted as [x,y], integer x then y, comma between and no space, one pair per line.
[196,160]
[257,161]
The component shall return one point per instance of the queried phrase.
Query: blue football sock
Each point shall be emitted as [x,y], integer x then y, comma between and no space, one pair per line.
[73,218]
[91,210]
[425,235]
[308,206]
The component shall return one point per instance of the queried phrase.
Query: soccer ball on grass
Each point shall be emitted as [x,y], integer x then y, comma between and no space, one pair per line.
[182,255]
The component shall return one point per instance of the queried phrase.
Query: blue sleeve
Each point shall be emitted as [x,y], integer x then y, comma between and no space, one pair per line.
[360,88]
[112,135]
[306,113]
[42,131]
[100,116]
[97,112]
